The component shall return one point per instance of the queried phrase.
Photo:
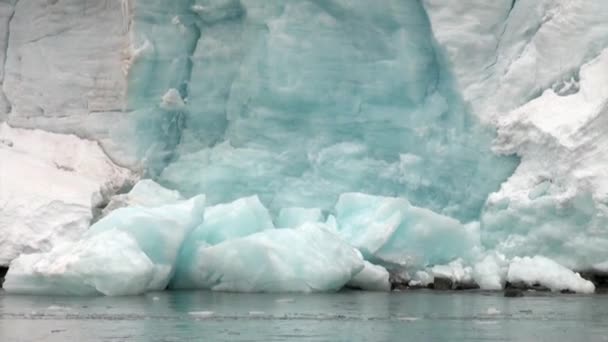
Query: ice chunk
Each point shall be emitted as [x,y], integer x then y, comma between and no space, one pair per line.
[394,232]
[546,272]
[304,259]
[130,251]
[371,278]
[294,217]
[222,222]
[159,231]
[146,193]
[109,263]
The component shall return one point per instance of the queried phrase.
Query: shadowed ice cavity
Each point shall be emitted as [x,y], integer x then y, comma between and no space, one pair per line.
[299,101]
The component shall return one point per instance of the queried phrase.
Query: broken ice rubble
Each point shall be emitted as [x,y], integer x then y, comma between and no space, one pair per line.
[159,239]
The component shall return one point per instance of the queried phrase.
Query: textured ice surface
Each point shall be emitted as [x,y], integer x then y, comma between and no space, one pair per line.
[304,259]
[130,251]
[556,202]
[159,232]
[395,233]
[109,263]
[544,271]
[63,70]
[222,222]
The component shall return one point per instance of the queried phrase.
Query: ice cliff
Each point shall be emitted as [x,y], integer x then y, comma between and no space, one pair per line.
[459,139]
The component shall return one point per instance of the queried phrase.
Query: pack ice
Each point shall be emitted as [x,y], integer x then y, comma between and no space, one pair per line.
[425,139]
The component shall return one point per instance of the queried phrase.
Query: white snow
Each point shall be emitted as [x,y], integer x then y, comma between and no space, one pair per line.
[555,204]
[49,185]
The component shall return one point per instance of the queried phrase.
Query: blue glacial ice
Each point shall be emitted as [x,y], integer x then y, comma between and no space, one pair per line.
[222,222]
[304,259]
[392,232]
[109,263]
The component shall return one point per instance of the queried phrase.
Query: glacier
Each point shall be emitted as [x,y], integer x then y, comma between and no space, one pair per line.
[411,139]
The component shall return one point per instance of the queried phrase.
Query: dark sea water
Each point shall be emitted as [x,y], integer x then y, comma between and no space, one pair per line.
[345,316]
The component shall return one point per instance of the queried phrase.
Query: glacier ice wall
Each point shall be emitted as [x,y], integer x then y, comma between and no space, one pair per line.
[299,101]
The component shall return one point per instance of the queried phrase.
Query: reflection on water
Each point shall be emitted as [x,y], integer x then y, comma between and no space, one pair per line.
[344,316]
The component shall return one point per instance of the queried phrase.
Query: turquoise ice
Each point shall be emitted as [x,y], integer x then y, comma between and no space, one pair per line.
[392,232]
[304,259]
[222,222]
[299,101]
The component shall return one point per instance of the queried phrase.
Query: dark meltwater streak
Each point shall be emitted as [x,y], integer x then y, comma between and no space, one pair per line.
[345,316]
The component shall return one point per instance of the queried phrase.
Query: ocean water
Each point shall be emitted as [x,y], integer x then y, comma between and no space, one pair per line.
[345,316]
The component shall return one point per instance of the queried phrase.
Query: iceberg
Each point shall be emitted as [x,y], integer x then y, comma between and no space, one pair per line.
[110,263]
[392,232]
[304,259]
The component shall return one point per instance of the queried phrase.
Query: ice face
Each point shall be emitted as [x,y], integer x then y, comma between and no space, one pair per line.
[309,99]
[305,259]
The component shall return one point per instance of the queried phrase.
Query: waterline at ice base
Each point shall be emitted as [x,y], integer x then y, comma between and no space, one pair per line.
[303,145]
